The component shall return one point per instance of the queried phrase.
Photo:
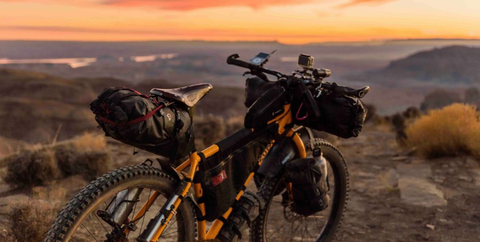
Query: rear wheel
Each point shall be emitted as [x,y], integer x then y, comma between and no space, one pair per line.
[277,221]
[80,220]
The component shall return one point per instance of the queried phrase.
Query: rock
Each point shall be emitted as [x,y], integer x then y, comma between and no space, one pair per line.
[472,163]
[400,158]
[414,170]
[415,187]
[430,226]
[377,167]
[464,178]
[390,178]
[420,192]
[439,179]
[476,174]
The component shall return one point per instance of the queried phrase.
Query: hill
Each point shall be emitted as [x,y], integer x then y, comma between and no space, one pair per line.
[35,107]
[450,66]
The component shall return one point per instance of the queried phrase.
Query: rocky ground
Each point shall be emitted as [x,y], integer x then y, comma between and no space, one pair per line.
[394,195]
[398,197]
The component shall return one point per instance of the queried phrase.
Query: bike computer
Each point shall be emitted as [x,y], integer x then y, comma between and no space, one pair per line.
[260,59]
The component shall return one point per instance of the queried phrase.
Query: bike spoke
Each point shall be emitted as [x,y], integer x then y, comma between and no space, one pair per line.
[143,219]
[90,232]
[101,223]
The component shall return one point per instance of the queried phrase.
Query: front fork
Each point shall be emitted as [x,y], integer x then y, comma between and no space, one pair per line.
[157,225]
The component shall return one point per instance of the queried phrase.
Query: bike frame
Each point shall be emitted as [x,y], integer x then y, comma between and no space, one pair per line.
[285,130]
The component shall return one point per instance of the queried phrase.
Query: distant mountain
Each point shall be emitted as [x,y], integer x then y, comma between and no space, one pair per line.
[453,65]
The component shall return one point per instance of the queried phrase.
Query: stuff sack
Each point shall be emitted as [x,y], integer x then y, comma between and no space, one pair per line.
[308,186]
[340,115]
[149,124]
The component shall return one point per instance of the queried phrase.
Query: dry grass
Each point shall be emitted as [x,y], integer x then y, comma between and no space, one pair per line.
[32,168]
[31,220]
[90,142]
[210,128]
[450,131]
[37,166]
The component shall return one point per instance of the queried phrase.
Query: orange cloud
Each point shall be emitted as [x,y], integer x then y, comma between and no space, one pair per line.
[185,5]
[360,2]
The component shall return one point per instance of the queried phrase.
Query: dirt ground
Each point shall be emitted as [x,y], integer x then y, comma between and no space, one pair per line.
[394,195]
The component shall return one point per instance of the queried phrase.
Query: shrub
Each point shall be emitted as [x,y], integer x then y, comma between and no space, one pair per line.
[89,164]
[412,112]
[234,124]
[450,131]
[438,99]
[32,168]
[472,96]
[31,220]
[208,129]
[371,112]
[85,155]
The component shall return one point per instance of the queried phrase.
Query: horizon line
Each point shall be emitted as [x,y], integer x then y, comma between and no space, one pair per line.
[246,41]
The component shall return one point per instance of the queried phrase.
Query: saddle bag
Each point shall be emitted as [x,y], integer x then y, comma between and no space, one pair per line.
[146,123]
[308,186]
[340,115]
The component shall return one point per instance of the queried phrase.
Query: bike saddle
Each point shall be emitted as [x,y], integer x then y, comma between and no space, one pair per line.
[189,95]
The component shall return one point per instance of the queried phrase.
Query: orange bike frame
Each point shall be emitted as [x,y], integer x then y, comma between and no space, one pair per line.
[193,162]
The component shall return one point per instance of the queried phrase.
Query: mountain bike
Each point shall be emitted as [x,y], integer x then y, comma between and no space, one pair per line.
[149,203]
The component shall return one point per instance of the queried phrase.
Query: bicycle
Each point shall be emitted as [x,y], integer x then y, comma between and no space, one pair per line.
[116,205]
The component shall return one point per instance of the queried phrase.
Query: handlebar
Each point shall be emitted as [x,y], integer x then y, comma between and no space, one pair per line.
[233,60]
[317,73]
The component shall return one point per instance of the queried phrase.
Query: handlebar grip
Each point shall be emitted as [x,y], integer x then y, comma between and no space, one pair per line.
[360,93]
[232,60]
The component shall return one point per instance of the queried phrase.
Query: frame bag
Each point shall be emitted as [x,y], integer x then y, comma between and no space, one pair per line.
[146,123]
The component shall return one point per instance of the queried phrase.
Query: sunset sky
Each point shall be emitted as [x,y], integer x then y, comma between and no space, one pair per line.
[287,21]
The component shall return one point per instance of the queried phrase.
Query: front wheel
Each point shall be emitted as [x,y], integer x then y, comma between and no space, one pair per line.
[277,221]
[82,220]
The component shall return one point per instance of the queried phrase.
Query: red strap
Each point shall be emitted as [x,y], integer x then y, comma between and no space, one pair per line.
[137,120]
[298,113]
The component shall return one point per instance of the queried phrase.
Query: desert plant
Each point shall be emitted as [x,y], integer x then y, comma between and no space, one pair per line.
[371,112]
[472,96]
[439,99]
[37,166]
[32,168]
[234,124]
[412,112]
[30,221]
[208,129]
[450,131]
[89,164]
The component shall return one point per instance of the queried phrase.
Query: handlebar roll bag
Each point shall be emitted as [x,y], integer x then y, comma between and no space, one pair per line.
[340,115]
[143,122]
